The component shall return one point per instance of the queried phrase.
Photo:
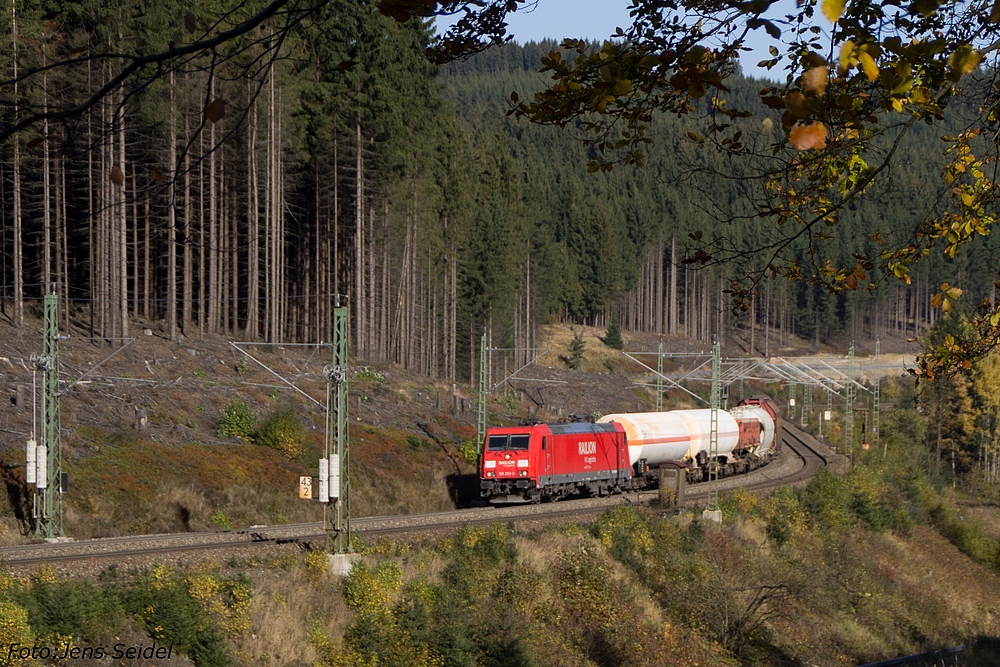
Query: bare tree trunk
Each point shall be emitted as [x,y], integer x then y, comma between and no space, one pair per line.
[147,274]
[673,285]
[384,301]
[18,250]
[46,206]
[234,263]
[213,230]
[359,218]
[253,227]
[454,313]
[188,291]
[122,222]
[136,264]
[91,211]
[659,286]
[63,243]
[202,303]
[336,221]
[172,223]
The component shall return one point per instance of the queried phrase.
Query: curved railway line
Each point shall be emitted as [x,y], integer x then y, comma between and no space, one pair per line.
[804,456]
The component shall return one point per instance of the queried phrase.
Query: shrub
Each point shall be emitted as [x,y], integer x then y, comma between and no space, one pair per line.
[238,420]
[283,432]
[469,451]
[625,533]
[170,614]
[827,498]
[364,373]
[14,630]
[220,519]
[783,513]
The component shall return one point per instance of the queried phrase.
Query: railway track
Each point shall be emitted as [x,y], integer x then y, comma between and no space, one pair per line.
[806,457]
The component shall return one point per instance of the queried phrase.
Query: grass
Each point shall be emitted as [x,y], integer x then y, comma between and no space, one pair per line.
[122,484]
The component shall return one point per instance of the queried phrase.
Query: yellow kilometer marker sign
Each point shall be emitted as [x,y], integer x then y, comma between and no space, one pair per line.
[306,488]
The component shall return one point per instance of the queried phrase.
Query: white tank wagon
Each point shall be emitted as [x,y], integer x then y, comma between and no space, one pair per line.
[676,436]
[748,437]
[765,444]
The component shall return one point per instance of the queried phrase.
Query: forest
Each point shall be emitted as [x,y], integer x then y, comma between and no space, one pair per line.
[250,189]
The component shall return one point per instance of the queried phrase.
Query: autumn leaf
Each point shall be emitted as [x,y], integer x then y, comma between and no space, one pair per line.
[806,137]
[189,23]
[832,9]
[964,60]
[868,65]
[216,110]
[814,81]
[846,53]
[117,175]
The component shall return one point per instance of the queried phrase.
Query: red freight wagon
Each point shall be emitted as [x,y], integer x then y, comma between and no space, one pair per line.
[554,460]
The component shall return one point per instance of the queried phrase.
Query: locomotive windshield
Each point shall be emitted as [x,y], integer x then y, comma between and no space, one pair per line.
[507,442]
[519,442]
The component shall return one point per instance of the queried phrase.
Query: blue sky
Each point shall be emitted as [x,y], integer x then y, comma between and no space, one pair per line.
[597,19]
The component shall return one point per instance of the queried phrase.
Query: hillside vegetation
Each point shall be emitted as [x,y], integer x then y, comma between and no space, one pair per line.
[884,561]
[845,571]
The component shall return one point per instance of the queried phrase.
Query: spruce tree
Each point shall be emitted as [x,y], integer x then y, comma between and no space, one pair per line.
[613,337]
[576,348]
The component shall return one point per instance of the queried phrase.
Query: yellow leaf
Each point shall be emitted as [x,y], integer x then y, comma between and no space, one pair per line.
[920,96]
[814,81]
[868,65]
[806,137]
[622,86]
[964,60]
[936,301]
[846,53]
[995,13]
[954,292]
[946,306]
[832,9]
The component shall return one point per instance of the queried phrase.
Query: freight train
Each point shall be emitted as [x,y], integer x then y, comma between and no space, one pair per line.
[623,452]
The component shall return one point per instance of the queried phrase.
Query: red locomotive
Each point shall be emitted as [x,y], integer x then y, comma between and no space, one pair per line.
[623,451]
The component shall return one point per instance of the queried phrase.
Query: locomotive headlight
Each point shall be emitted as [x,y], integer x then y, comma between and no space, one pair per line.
[522,473]
[491,474]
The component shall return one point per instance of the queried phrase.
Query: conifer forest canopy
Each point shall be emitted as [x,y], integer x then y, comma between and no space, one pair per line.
[230,166]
